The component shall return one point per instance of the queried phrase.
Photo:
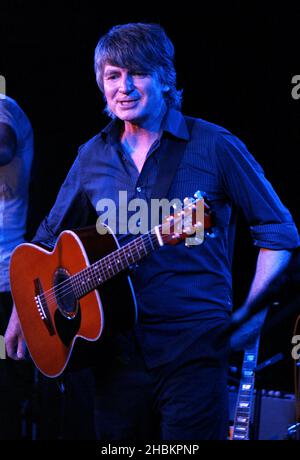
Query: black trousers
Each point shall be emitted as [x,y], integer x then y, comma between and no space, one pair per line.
[182,400]
[16,379]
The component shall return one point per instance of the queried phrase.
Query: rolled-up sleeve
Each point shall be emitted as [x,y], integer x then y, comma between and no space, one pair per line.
[270,222]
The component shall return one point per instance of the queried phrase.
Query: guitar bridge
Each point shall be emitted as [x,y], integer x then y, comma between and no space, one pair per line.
[43,307]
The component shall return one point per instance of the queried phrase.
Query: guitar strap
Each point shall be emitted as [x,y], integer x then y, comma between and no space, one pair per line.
[171,153]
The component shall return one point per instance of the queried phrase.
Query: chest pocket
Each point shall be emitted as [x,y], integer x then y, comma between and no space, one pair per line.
[190,179]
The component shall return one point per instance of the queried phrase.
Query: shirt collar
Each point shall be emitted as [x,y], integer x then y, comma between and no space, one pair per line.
[173,123]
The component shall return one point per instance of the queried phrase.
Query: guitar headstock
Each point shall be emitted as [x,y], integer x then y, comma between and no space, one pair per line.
[189,223]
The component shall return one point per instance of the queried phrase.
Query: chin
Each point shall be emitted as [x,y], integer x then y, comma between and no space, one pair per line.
[128,117]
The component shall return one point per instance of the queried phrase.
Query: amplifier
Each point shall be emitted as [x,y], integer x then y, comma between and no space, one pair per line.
[277,413]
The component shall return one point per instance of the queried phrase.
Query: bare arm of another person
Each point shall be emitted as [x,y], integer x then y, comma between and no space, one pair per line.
[13,336]
[8,143]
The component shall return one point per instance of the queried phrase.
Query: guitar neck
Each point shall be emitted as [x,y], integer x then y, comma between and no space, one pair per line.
[119,260]
[246,393]
[195,214]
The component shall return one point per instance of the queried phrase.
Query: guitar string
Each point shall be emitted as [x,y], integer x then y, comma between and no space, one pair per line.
[100,262]
[93,272]
[78,283]
[70,289]
[107,271]
[123,252]
[120,263]
[67,286]
[151,232]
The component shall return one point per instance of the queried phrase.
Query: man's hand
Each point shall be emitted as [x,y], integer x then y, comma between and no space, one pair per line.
[14,340]
[245,336]
[270,266]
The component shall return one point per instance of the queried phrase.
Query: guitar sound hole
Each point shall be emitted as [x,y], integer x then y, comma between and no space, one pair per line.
[65,297]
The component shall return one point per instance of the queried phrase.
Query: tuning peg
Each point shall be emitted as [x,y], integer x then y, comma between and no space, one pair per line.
[211,234]
[198,195]
[187,201]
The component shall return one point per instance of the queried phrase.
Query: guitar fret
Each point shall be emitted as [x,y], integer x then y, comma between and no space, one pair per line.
[245,395]
[249,357]
[150,239]
[243,411]
[79,281]
[243,404]
[249,365]
[128,255]
[247,373]
[95,275]
[143,246]
[91,277]
[136,248]
[246,386]
[140,248]
[99,273]
[245,399]
[74,286]
[119,263]
[109,266]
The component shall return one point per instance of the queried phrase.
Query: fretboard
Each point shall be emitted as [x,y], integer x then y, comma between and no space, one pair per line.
[245,396]
[96,274]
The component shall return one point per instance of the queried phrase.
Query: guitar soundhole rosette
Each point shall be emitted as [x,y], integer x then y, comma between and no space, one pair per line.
[66,300]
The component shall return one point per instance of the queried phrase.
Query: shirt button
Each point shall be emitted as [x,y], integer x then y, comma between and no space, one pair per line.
[139,189]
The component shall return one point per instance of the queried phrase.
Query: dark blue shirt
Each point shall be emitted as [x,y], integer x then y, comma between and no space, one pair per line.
[181,292]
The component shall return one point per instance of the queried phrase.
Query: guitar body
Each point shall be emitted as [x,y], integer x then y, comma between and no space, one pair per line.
[51,316]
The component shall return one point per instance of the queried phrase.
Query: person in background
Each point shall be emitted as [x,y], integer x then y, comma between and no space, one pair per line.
[16,155]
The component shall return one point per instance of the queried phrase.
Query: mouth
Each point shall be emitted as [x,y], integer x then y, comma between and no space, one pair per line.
[128,102]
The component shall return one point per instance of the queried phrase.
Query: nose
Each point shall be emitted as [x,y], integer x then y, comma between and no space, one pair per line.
[126,84]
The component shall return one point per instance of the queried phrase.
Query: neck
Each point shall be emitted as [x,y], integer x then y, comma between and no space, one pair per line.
[141,132]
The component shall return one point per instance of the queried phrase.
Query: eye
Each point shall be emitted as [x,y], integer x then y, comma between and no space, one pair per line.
[111,76]
[139,74]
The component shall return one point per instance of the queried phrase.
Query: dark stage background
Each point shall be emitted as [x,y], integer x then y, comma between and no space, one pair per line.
[235,62]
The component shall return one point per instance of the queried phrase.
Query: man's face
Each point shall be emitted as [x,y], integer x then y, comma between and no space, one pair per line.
[133,97]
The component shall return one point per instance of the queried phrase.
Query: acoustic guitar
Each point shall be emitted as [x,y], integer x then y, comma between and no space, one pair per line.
[82,287]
